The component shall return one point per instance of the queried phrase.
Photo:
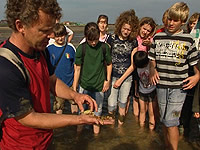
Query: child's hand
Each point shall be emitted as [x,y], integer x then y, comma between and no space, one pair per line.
[117,84]
[196,115]
[154,76]
[106,86]
[190,82]
[146,42]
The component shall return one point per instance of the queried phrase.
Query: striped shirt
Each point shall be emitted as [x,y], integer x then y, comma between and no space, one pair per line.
[173,54]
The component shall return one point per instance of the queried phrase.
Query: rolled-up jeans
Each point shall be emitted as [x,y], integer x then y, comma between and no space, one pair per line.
[118,95]
[97,96]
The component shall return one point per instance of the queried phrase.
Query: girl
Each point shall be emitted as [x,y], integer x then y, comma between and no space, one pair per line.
[146,30]
[102,23]
[123,45]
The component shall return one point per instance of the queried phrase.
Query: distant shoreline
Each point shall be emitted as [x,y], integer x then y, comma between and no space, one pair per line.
[5,33]
[74,28]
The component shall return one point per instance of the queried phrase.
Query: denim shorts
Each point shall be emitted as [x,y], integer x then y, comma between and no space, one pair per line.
[97,96]
[118,95]
[170,103]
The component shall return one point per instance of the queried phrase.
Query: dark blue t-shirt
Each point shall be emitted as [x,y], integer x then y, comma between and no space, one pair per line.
[121,54]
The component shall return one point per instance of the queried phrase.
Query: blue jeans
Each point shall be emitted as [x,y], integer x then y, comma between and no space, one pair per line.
[118,95]
[170,103]
[97,96]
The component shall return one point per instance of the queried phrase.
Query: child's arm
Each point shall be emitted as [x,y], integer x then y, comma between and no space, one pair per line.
[127,72]
[192,80]
[154,76]
[107,82]
[77,70]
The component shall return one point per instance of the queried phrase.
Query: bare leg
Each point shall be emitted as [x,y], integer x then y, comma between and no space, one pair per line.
[59,111]
[165,137]
[96,129]
[74,108]
[142,112]
[171,135]
[135,107]
[151,116]
[127,104]
[122,114]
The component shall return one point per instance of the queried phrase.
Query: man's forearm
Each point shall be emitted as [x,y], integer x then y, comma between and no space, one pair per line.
[52,121]
[60,89]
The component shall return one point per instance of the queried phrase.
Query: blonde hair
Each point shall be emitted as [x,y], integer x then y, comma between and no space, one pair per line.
[194,17]
[179,11]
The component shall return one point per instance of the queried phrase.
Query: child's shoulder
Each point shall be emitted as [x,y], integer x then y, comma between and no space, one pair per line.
[70,45]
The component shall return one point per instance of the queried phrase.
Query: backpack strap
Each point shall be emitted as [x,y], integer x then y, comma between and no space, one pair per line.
[9,55]
[83,51]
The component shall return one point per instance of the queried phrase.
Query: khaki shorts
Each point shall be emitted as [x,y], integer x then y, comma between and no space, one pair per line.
[59,103]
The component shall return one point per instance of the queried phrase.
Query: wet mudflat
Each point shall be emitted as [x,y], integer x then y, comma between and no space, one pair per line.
[127,137]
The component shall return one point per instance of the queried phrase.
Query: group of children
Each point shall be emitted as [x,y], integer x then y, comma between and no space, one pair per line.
[106,66]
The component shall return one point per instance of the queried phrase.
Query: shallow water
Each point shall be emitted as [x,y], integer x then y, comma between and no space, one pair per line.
[127,137]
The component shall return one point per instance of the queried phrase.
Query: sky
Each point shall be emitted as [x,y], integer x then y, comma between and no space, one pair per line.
[84,11]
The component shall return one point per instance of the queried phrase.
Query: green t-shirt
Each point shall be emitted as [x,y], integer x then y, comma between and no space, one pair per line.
[92,75]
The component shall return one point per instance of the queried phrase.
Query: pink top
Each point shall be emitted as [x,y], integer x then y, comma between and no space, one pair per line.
[142,47]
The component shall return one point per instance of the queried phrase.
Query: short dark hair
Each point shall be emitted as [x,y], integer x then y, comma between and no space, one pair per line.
[102,17]
[28,11]
[140,59]
[59,29]
[92,31]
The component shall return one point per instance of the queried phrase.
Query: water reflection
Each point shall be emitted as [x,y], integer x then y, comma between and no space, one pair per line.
[127,137]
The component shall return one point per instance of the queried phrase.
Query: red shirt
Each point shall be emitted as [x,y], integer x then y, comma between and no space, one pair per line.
[15,135]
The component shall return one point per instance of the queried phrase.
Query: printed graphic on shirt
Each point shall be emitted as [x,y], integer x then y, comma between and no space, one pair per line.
[144,78]
[67,55]
[171,49]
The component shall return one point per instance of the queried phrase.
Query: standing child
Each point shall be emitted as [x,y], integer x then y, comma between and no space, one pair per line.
[147,92]
[192,21]
[146,30]
[102,23]
[123,45]
[172,54]
[90,60]
[62,58]
[186,114]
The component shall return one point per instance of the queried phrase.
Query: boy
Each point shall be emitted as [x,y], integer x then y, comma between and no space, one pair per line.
[171,56]
[62,58]
[90,69]
[146,92]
